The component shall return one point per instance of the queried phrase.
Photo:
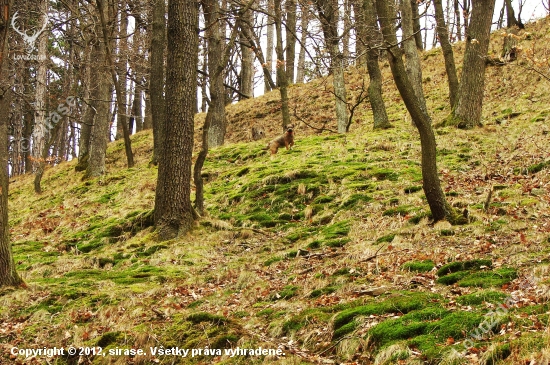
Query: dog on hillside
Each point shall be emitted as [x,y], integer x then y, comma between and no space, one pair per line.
[286,140]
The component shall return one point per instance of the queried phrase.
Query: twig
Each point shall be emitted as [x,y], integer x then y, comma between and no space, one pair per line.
[323,128]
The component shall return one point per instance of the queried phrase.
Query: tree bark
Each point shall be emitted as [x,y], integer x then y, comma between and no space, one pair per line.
[122,53]
[8,272]
[90,97]
[156,83]
[269,46]
[99,137]
[304,22]
[281,71]
[372,37]
[412,65]
[173,210]
[416,25]
[447,49]
[40,132]
[328,15]
[121,103]
[467,112]
[247,69]
[430,180]
[290,31]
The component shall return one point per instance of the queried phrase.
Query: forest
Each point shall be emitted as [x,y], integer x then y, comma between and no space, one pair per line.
[274,182]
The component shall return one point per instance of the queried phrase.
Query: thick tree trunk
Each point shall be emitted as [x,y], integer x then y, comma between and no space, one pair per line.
[430,179]
[412,65]
[304,22]
[8,273]
[281,72]
[328,14]
[100,130]
[156,83]
[173,210]
[269,46]
[467,112]
[290,31]
[447,49]
[372,37]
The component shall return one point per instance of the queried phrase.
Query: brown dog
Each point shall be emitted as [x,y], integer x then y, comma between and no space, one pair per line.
[286,140]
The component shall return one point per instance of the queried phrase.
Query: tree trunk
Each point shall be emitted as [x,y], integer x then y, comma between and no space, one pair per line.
[360,32]
[304,22]
[447,49]
[328,14]
[430,180]
[91,96]
[216,132]
[372,37]
[137,105]
[290,8]
[99,137]
[281,72]
[457,20]
[173,210]
[467,112]
[412,65]
[416,25]
[121,103]
[347,32]
[147,120]
[269,46]
[122,63]
[156,83]
[40,132]
[247,69]
[28,126]
[512,21]
[8,273]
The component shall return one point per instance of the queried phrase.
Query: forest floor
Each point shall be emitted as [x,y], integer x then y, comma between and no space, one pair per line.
[325,252]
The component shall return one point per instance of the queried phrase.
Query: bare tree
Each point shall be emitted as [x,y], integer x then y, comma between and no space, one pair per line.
[448,54]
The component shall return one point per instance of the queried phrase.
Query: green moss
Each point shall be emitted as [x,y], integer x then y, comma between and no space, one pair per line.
[419,266]
[286,293]
[265,312]
[207,317]
[386,238]
[491,278]
[109,338]
[272,260]
[496,354]
[337,230]
[354,200]
[452,278]
[478,298]
[463,265]
[326,290]
[413,189]
[400,210]
[344,330]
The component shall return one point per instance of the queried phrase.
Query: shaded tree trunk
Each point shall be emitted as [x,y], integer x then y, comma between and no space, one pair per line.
[156,83]
[430,179]
[447,49]
[290,31]
[173,210]
[416,25]
[91,96]
[372,37]
[8,272]
[122,66]
[467,112]
[247,69]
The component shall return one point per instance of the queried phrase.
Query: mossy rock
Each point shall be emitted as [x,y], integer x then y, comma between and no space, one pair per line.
[489,278]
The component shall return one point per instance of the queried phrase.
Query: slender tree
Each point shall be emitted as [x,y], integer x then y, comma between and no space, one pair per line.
[282,81]
[290,32]
[448,54]
[173,209]
[328,15]
[430,180]
[8,273]
[268,64]
[372,39]
[304,23]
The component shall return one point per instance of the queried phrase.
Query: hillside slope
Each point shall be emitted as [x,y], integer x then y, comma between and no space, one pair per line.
[325,252]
